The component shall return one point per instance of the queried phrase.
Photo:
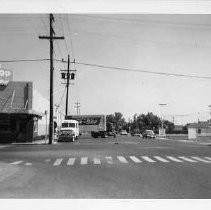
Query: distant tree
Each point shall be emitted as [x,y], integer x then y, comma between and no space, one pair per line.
[169,126]
[117,121]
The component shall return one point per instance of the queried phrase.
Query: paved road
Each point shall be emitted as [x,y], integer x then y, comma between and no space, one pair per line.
[125,167]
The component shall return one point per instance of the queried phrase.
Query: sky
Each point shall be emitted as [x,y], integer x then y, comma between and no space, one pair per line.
[175,44]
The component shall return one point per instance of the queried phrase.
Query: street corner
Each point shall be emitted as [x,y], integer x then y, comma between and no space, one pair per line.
[7,170]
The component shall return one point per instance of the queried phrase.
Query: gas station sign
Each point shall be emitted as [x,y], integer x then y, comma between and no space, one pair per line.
[5,76]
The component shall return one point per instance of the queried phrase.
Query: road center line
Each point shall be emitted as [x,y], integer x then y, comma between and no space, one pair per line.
[208,158]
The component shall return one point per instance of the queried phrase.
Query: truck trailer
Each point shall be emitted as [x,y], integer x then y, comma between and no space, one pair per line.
[94,125]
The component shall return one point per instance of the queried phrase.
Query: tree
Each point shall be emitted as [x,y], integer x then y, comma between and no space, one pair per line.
[117,121]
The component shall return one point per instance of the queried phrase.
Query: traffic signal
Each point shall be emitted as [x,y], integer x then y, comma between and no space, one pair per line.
[63,75]
[72,76]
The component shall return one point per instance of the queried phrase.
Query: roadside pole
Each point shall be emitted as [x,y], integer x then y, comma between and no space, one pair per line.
[51,38]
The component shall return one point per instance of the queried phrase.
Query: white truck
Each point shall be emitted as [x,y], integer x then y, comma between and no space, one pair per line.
[91,124]
[69,131]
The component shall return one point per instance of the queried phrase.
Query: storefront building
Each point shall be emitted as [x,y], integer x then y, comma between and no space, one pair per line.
[18,121]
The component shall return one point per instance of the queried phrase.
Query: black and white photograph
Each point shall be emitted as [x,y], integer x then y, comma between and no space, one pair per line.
[99,105]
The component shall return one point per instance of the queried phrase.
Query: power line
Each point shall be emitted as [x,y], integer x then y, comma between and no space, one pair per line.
[109,67]
[64,34]
[24,60]
[147,22]
[144,71]
[69,30]
[62,96]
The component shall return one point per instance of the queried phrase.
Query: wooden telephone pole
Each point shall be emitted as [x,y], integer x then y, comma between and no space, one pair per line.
[51,38]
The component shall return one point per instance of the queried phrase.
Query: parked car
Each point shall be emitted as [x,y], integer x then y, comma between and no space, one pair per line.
[111,133]
[123,132]
[137,134]
[148,134]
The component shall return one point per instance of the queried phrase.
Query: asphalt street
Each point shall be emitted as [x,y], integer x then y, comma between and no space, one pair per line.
[122,167]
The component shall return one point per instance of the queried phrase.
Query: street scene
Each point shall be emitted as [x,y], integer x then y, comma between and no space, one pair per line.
[125,167]
[105,106]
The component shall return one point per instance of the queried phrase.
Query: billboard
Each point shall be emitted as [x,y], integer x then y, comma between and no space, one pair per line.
[5,76]
[86,120]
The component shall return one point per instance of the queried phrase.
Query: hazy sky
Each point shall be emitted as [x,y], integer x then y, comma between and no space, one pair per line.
[161,43]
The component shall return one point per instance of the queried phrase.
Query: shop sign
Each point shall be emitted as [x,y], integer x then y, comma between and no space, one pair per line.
[5,77]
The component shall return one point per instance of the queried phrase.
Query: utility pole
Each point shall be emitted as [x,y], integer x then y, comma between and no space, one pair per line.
[67,86]
[51,38]
[67,76]
[162,116]
[77,106]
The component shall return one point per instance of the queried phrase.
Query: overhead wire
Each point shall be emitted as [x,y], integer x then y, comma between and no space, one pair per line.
[147,22]
[109,67]
[60,18]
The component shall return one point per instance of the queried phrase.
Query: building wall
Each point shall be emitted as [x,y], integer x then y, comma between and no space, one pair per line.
[41,104]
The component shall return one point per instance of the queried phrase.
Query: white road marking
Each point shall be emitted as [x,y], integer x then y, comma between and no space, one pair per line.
[208,158]
[187,159]
[174,159]
[161,159]
[97,161]
[47,160]
[109,160]
[28,164]
[17,162]
[146,158]
[71,161]
[122,159]
[83,160]
[135,159]
[200,159]
[58,162]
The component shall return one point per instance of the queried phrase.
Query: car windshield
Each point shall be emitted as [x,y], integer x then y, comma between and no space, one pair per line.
[66,125]
[150,132]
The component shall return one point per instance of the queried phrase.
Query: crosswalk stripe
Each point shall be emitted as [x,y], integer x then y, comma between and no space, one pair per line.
[161,159]
[208,158]
[83,160]
[174,159]
[71,161]
[58,162]
[135,159]
[122,159]
[200,159]
[187,159]
[17,162]
[97,161]
[109,160]
[146,158]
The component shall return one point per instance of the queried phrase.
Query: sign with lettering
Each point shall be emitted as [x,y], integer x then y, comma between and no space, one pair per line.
[85,120]
[5,76]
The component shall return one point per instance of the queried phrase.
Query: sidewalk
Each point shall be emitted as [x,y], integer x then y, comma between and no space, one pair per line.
[196,141]
[37,142]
